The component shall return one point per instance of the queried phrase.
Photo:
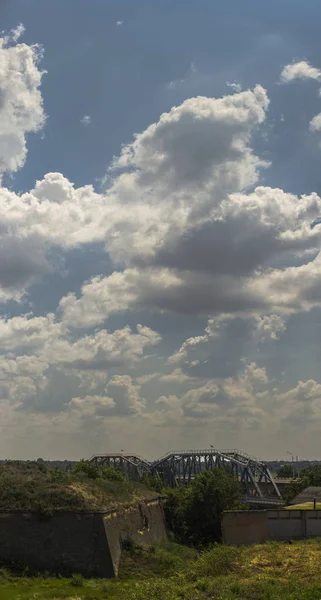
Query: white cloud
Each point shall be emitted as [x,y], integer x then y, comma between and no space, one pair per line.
[102,350]
[28,332]
[315,123]
[17,32]
[21,110]
[236,87]
[176,215]
[122,399]
[85,120]
[142,379]
[269,327]
[232,400]
[21,377]
[119,23]
[299,70]
[176,376]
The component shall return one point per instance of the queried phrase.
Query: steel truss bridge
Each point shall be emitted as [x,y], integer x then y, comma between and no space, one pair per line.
[180,468]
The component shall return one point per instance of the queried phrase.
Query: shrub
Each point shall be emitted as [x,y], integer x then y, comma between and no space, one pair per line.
[194,513]
[112,474]
[87,468]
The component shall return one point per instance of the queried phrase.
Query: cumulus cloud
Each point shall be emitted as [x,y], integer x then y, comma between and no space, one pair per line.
[315,123]
[236,87]
[122,399]
[299,70]
[189,236]
[218,400]
[21,110]
[85,120]
[102,350]
[29,332]
[21,377]
[37,358]
[17,32]
[269,327]
[189,230]
[176,216]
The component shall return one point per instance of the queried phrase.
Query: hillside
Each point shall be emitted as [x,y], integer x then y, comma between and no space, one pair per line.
[273,571]
[36,487]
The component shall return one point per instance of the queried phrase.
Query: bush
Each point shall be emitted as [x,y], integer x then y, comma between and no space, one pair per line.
[112,474]
[153,482]
[308,477]
[194,513]
[87,468]
[92,471]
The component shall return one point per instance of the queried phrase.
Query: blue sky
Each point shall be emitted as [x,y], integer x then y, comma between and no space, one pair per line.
[159,279]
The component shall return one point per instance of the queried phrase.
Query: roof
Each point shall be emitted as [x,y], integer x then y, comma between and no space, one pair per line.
[308,495]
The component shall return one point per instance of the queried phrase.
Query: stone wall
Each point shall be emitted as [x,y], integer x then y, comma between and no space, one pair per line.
[144,525]
[88,543]
[251,527]
[65,543]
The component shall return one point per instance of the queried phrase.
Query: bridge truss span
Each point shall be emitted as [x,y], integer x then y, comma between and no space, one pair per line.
[134,466]
[180,468]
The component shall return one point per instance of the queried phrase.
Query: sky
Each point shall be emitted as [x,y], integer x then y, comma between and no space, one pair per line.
[160,227]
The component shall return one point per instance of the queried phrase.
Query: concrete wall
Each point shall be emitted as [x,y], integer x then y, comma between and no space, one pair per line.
[250,527]
[245,527]
[286,524]
[87,543]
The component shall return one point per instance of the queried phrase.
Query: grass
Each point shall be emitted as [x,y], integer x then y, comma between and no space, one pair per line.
[273,571]
[304,506]
[35,487]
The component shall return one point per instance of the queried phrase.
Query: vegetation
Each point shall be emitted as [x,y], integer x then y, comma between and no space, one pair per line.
[34,486]
[285,471]
[273,571]
[304,506]
[308,477]
[194,513]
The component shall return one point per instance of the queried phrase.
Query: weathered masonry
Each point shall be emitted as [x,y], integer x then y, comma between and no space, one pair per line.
[86,542]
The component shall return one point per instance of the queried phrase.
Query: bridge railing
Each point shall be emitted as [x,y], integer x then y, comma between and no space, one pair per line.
[208,451]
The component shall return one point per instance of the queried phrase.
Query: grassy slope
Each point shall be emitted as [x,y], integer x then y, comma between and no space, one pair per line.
[304,506]
[269,572]
[32,486]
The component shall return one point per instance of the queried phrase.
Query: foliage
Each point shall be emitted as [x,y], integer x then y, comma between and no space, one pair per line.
[194,513]
[85,467]
[153,482]
[272,571]
[112,474]
[32,486]
[308,477]
[312,475]
[285,471]
[93,471]
[293,489]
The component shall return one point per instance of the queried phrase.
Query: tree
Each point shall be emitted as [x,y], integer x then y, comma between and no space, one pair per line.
[92,471]
[308,477]
[285,471]
[194,513]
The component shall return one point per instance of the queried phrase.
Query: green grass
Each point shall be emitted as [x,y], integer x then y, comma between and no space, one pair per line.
[304,506]
[273,571]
